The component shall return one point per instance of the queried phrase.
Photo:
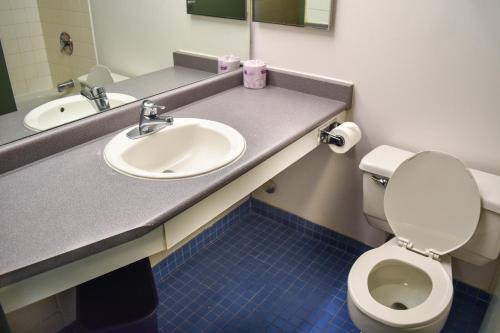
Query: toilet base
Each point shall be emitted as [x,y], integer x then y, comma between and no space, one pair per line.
[368,325]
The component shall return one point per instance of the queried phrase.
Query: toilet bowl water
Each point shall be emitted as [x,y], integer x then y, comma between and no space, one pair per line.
[398,286]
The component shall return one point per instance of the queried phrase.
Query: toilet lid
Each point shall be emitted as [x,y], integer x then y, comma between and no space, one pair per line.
[433,203]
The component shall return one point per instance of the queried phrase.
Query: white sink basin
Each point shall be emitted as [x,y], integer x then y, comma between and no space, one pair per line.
[68,109]
[189,147]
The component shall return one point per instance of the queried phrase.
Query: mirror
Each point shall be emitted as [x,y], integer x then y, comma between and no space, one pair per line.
[234,9]
[301,13]
[55,56]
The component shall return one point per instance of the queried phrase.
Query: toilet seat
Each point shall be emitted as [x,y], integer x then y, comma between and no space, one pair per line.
[432,203]
[438,301]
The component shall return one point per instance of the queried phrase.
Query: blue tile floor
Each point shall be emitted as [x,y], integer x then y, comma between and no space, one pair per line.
[261,269]
[279,274]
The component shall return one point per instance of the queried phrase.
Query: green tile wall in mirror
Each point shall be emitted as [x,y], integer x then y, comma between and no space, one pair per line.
[233,9]
[125,46]
[302,13]
[7,100]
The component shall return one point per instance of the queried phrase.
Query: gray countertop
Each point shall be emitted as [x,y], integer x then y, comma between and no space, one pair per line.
[72,205]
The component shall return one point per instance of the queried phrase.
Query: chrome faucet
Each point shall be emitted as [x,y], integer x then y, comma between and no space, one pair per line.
[70,84]
[96,95]
[150,122]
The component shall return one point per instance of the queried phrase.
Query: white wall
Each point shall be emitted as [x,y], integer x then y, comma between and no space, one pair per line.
[427,76]
[137,37]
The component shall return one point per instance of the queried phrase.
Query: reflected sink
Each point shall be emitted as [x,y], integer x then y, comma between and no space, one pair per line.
[189,147]
[68,109]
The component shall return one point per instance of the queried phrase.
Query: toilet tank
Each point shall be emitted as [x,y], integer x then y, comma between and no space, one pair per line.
[378,167]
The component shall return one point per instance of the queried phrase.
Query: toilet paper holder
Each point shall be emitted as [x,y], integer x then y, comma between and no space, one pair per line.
[327,138]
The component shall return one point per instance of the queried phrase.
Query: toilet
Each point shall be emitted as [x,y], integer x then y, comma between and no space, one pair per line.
[436,208]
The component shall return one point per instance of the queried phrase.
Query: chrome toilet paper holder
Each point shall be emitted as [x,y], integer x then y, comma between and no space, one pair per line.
[327,138]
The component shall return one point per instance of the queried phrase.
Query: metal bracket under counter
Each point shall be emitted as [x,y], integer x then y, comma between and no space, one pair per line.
[327,138]
[165,239]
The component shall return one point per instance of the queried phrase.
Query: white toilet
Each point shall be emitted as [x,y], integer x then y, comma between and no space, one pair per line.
[436,208]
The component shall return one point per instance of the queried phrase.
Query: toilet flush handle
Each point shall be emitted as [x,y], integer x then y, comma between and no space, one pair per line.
[380,180]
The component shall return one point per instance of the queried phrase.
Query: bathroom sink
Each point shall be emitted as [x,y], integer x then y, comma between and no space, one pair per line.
[189,147]
[68,109]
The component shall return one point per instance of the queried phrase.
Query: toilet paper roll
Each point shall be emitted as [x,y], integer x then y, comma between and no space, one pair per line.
[351,134]
[254,74]
[228,63]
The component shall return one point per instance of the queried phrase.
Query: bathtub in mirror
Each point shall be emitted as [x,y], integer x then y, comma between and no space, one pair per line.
[55,53]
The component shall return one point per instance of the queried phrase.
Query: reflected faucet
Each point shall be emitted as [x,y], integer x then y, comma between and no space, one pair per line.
[97,95]
[70,84]
[150,122]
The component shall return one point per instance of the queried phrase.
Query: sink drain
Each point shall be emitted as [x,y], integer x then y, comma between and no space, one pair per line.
[398,306]
[168,171]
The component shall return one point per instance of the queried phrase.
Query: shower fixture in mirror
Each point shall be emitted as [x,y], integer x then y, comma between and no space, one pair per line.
[301,13]
[61,61]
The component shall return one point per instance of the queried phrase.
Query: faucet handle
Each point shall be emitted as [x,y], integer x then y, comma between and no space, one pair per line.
[98,91]
[169,120]
[150,109]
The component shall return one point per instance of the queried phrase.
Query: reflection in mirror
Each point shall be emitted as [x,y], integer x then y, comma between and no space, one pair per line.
[7,101]
[61,61]
[302,13]
[235,9]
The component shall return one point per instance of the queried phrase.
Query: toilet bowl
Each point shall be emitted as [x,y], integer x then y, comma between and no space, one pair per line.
[433,205]
[391,289]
